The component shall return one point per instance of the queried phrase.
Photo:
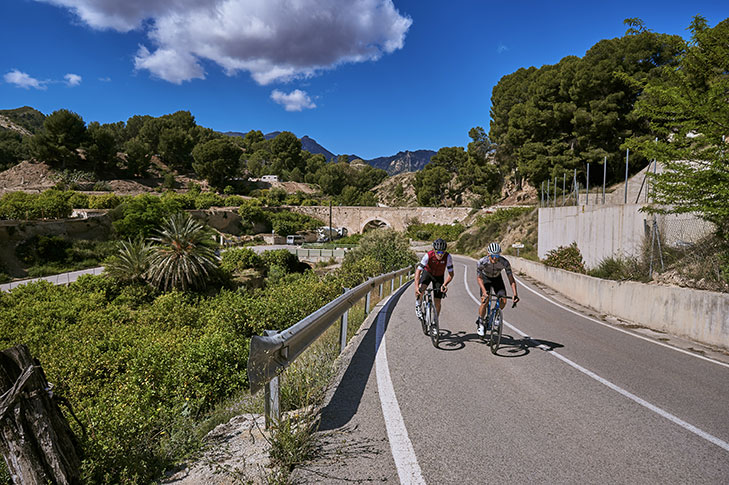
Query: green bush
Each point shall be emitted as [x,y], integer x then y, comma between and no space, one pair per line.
[138,216]
[620,269]
[566,257]
[239,259]
[79,201]
[206,200]
[51,204]
[285,222]
[431,232]
[104,201]
[386,246]
[282,258]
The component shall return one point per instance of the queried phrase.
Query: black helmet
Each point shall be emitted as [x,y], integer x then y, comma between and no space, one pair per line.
[439,245]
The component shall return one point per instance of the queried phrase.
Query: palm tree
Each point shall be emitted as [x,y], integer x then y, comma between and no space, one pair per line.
[132,261]
[184,255]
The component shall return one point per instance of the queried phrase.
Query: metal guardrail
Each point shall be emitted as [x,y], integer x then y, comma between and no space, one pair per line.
[272,353]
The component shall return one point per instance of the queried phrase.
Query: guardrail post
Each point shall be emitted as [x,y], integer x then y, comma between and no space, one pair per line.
[272,392]
[392,286]
[343,331]
[380,295]
[367,302]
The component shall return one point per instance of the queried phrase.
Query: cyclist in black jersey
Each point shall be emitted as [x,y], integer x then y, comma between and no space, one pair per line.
[488,275]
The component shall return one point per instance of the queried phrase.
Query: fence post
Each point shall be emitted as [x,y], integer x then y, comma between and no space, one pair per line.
[392,286]
[36,442]
[380,290]
[367,302]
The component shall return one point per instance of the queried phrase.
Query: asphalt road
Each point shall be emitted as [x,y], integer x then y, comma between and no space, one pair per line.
[569,399]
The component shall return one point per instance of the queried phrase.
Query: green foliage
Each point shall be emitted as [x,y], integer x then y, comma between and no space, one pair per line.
[431,185]
[239,259]
[131,262]
[26,117]
[620,269]
[280,258]
[51,204]
[184,256]
[568,258]
[387,247]
[286,222]
[42,249]
[206,200]
[168,181]
[105,201]
[216,160]
[431,231]
[138,216]
[57,142]
[555,118]
[686,108]
[12,150]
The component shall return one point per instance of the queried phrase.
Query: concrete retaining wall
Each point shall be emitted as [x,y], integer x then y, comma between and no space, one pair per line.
[699,315]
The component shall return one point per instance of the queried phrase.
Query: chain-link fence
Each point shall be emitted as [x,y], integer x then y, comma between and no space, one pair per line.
[684,250]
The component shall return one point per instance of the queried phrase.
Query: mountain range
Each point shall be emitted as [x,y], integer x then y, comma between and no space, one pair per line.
[405,161]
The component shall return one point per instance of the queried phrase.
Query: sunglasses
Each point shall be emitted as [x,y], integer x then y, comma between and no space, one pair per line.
[440,252]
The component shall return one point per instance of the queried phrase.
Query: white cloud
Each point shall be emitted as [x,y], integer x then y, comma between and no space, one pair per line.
[273,40]
[501,48]
[296,100]
[72,79]
[23,80]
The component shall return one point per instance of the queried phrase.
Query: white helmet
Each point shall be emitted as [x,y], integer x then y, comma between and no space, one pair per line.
[494,249]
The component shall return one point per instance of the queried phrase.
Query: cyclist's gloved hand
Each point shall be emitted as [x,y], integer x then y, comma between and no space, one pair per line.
[516,300]
[443,288]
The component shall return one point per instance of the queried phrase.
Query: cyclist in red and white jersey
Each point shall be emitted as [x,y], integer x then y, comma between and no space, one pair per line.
[432,269]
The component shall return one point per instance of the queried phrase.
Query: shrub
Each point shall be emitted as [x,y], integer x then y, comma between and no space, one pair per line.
[566,257]
[206,200]
[79,201]
[239,259]
[431,232]
[168,181]
[138,216]
[386,246]
[282,258]
[51,204]
[104,201]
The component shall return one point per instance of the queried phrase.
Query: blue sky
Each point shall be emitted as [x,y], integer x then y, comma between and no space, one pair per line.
[369,77]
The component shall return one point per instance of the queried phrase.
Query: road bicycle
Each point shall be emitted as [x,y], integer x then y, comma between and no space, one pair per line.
[495,319]
[429,317]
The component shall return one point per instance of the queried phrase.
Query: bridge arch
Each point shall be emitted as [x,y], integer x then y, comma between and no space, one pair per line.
[374,223]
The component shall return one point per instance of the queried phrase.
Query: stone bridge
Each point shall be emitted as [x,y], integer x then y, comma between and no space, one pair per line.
[360,219]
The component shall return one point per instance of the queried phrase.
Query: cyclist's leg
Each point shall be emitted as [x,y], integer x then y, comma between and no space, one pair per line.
[437,294]
[500,290]
[425,279]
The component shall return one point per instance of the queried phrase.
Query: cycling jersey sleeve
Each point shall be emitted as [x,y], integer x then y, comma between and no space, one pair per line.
[449,264]
[507,266]
[423,262]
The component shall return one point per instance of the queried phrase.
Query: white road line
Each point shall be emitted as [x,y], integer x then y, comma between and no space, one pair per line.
[689,427]
[692,354]
[402,449]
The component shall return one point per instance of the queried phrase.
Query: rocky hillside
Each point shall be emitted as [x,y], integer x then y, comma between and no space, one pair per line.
[25,120]
[406,161]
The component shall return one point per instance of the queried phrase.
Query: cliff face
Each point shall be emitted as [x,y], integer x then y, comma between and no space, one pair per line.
[406,161]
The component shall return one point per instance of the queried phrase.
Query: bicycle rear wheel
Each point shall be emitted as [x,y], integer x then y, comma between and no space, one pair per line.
[497,324]
[433,326]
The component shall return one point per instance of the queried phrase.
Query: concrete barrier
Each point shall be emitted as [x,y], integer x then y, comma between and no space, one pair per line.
[699,315]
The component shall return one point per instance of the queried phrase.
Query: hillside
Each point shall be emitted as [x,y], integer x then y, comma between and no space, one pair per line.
[25,120]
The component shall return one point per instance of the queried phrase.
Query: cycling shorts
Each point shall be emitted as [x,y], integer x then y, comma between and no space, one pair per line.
[427,278]
[495,285]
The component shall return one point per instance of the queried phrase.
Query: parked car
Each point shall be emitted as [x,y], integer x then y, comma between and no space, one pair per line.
[295,239]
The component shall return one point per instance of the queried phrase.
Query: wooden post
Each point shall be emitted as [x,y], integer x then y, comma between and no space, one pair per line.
[35,439]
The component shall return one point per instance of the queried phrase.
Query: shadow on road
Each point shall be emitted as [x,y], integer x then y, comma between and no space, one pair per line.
[510,346]
[345,401]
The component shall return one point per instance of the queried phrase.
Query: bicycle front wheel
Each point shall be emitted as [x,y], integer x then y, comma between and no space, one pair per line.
[497,324]
[433,326]
[424,317]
